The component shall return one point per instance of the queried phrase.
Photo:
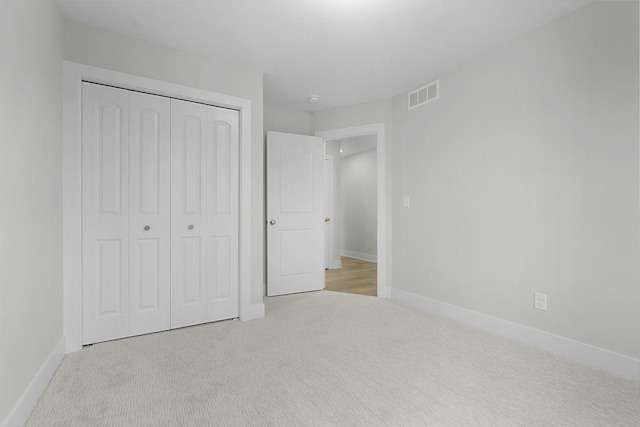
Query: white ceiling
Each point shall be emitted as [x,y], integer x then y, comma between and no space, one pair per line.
[344,51]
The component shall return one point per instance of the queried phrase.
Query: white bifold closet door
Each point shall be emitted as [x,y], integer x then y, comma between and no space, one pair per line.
[126,213]
[160,213]
[204,213]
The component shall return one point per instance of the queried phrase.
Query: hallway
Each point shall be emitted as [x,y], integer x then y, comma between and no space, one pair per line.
[355,277]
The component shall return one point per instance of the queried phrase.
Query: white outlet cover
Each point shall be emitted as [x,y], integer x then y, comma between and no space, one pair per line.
[540,301]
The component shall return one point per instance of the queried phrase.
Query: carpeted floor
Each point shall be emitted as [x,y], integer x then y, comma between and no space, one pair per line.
[327,358]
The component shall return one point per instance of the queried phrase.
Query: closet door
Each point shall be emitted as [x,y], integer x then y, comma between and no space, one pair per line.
[160,213]
[105,221]
[126,213]
[222,213]
[188,213]
[204,216]
[150,213]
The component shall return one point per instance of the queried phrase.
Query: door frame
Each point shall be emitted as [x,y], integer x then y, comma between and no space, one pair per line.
[377,129]
[329,212]
[73,76]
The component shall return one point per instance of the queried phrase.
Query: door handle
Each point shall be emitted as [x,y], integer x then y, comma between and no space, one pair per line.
[327,219]
[272,222]
[147,228]
[190,227]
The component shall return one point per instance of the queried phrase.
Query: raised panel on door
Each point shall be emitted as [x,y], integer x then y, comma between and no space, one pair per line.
[188,213]
[222,214]
[105,211]
[295,229]
[150,213]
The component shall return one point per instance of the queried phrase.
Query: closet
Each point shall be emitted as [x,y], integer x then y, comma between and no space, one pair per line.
[160,220]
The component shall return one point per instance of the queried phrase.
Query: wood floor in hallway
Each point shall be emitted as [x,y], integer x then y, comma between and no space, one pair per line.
[355,277]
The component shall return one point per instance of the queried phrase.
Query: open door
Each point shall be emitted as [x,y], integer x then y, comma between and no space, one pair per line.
[295,213]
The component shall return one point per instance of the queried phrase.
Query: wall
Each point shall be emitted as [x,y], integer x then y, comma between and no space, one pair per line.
[365,114]
[523,177]
[106,49]
[357,144]
[31,193]
[288,120]
[353,115]
[359,214]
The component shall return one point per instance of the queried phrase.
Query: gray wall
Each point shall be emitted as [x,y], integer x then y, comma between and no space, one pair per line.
[30,192]
[523,177]
[359,214]
[281,119]
[106,49]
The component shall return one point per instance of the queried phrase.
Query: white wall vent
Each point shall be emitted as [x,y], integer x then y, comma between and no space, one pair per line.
[424,95]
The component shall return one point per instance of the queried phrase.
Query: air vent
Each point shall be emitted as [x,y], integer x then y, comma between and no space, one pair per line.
[424,95]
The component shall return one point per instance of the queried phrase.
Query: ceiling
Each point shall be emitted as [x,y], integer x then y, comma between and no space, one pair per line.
[344,51]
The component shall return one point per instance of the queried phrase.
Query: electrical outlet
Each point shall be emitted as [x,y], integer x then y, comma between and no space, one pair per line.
[540,301]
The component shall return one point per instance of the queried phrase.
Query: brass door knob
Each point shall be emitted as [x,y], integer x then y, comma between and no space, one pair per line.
[327,219]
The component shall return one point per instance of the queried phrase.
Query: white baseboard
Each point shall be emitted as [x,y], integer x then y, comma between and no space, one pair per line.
[358,255]
[334,264]
[23,407]
[605,360]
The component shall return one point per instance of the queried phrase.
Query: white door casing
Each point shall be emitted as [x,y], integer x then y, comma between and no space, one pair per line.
[295,213]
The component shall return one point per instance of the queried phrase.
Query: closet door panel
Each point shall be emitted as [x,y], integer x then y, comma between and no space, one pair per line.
[222,214]
[188,208]
[191,266]
[150,167]
[105,224]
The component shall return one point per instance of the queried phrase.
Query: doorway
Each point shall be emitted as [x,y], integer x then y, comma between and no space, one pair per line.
[375,132]
[354,235]
[355,277]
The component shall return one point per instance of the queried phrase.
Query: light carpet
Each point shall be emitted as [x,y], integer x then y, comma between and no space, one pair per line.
[327,358]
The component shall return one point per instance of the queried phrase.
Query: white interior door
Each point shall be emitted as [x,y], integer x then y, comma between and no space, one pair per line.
[150,213]
[295,208]
[204,216]
[105,213]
